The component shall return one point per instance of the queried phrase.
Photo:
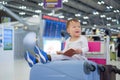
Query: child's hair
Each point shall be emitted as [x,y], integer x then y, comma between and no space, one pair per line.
[74,20]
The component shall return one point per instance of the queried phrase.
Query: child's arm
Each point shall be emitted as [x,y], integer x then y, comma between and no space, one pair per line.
[78,51]
[59,52]
[84,48]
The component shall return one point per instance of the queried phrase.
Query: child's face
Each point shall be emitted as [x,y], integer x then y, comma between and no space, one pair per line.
[74,29]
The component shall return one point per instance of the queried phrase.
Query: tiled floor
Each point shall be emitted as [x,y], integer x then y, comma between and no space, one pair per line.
[22,69]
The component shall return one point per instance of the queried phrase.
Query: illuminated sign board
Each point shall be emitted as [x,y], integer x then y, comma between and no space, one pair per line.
[52,3]
[53,18]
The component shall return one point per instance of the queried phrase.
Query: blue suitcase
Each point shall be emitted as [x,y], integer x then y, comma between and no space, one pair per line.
[65,70]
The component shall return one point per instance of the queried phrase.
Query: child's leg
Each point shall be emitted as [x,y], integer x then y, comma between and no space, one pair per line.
[37,58]
[43,55]
[56,57]
[30,58]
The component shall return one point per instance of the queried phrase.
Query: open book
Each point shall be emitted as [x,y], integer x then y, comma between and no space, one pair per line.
[69,52]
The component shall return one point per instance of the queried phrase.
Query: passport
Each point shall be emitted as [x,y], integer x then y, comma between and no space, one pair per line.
[69,52]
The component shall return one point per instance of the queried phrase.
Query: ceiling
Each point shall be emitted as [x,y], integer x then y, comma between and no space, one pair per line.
[89,12]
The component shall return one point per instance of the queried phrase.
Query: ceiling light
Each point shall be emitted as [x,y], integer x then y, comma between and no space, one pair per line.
[99,2]
[102,16]
[114,20]
[108,18]
[61,16]
[69,18]
[85,17]
[22,13]
[111,7]
[37,11]
[22,7]
[108,24]
[96,13]
[94,26]
[50,14]
[77,15]
[102,2]
[35,16]
[84,22]
[4,2]
[64,1]
[107,7]
[40,4]
[114,11]
[117,11]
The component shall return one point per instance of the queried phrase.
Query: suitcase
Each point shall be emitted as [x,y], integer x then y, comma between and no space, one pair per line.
[65,70]
[112,56]
[109,72]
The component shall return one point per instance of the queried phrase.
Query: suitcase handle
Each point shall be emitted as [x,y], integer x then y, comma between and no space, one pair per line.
[101,68]
[115,70]
[88,67]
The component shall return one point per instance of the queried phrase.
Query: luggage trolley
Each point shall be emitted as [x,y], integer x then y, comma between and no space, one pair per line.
[98,50]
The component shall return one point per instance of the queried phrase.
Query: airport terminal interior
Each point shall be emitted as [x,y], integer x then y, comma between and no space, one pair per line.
[27,23]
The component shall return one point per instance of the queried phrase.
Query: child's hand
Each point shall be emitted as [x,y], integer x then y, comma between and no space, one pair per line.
[78,51]
[59,52]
